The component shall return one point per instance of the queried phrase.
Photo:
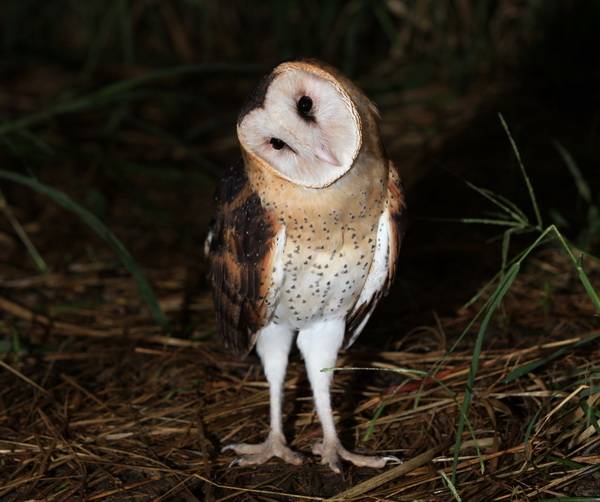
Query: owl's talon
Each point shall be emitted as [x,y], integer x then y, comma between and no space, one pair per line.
[317,448]
[330,455]
[256,454]
[334,464]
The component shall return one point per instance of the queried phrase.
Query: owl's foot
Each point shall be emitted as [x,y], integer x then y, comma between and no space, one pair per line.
[256,454]
[330,454]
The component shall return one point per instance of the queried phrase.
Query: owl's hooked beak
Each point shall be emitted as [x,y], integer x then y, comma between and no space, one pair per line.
[326,155]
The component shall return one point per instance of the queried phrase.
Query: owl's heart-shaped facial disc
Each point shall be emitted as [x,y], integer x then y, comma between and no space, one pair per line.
[306,129]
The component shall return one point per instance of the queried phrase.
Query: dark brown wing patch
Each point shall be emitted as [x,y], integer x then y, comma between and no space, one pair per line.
[357,316]
[241,253]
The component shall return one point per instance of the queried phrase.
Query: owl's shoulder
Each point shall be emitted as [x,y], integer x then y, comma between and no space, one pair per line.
[396,198]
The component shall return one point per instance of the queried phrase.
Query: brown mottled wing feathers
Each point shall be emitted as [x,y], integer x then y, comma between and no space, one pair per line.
[241,254]
[396,209]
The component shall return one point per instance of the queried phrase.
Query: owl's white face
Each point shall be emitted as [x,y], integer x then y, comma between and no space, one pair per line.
[307,128]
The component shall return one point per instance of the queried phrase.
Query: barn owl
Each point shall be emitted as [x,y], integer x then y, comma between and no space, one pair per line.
[306,239]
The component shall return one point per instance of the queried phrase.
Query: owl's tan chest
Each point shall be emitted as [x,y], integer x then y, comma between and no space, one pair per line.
[330,241]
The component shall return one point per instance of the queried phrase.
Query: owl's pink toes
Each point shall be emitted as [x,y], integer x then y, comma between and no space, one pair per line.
[329,456]
[256,454]
[331,452]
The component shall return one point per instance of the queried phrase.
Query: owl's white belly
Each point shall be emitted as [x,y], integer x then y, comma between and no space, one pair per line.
[323,284]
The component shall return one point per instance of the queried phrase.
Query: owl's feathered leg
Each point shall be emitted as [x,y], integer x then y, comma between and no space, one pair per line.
[273,346]
[319,346]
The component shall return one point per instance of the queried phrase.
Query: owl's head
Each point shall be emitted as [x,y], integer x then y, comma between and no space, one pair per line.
[302,122]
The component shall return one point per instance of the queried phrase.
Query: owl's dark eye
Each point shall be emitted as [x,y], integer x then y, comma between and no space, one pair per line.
[277,143]
[304,105]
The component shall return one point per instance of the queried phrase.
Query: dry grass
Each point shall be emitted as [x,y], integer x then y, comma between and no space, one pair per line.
[130,109]
[123,412]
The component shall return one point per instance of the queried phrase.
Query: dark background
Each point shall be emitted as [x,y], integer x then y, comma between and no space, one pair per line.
[129,107]
[145,157]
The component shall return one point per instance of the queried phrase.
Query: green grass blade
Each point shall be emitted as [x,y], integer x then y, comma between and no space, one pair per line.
[514,210]
[582,187]
[474,437]
[501,202]
[498,275]
[97,226]
[530,426]
[536,209]
[371,426]
[533,365]
[439,364]
[112,92]
[583,277]
[451,487]
[566,462]
[518,258]
[505,248]
[496,299]
[592,293]
[20,231]
[484,288]
[591,415]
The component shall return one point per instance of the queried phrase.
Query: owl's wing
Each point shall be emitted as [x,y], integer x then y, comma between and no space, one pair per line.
[390,231]
[244,248]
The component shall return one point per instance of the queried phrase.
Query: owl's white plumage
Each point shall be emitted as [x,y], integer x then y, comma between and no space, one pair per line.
[320,149]
[379,272]
[306,237]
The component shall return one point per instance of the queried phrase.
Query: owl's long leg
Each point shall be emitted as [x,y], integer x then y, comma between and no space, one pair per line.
[273,346]
[319,346]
